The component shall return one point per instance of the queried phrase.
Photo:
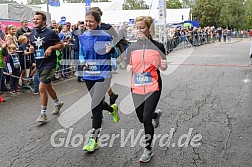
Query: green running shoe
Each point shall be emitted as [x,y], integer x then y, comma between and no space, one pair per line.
[91,146]
[115,114]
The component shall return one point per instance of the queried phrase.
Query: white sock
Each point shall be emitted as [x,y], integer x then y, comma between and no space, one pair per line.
[57,101]
[43,112]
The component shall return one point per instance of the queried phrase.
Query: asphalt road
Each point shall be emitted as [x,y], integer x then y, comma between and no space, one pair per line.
[206,122]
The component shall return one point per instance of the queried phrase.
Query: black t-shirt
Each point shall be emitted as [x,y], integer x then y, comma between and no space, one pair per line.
[21,47]
[14,62]
[110,30]
[41,39]
[29,58]
[22,31]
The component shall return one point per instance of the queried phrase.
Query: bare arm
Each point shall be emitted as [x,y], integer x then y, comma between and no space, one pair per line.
[57,46]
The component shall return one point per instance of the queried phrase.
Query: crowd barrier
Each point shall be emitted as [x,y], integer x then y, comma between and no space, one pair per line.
[68,62]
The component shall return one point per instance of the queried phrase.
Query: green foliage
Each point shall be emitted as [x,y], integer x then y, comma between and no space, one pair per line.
[187,3]
[100,1]
[248,13]
[36,2]
[223,13]
[80,1]
[74,1]
[173,4]
[134,4]
[7,1]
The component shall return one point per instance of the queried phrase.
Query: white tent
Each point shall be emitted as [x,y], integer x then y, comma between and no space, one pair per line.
[118,16]
[112,12]
[76,11]
[14,11]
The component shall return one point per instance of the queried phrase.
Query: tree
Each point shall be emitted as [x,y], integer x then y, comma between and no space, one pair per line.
[206,11]
[83,1]
[173,4]
[232,14]
[7,1]
[75,1]
[221,13]
[36,2]
[134,4]
[100,1]
[188,3]
[248,13]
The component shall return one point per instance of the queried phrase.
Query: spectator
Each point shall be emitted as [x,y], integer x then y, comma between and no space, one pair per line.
[13,65]
[27,56]
[75,34]
[11,38]
[229,35]
[1,32]
[122,42]
[53,25]
[2,67]
[250,34]
[68,25]
[24,30]
[225,35]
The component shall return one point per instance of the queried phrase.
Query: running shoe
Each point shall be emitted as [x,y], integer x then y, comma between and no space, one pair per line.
[147,155]
[36,92]
[155,122]
[42,118]
[13,92]
[91,146]
[57,108]
[2,99]
[115,114]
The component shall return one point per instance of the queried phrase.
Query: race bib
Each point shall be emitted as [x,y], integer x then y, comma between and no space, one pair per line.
[142,79]
[93,68]
[16,62]
[39,53]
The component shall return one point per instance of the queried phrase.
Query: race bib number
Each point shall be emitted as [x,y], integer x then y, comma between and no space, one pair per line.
[39,53]
[142,79]
[93,68]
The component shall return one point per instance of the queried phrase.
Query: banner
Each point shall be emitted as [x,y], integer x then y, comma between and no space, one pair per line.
[53,2]
[162,11]
[16,23]
[87,5]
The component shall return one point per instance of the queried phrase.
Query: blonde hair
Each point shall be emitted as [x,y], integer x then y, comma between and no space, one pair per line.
[12,46]
[22,38]
[10,27]
[149,21]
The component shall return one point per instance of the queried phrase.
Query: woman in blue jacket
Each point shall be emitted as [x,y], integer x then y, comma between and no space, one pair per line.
[95,48]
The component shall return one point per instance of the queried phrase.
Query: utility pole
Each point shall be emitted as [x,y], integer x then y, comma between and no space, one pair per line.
[47,6]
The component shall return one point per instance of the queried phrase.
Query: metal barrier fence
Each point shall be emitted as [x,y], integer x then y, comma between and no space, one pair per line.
[67,63]
[181,42]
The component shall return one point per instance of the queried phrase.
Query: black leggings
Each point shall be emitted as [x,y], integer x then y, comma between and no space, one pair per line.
[145,106]
[97,90]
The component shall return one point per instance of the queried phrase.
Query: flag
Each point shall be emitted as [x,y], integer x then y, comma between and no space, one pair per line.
[53,2]
[88,5]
